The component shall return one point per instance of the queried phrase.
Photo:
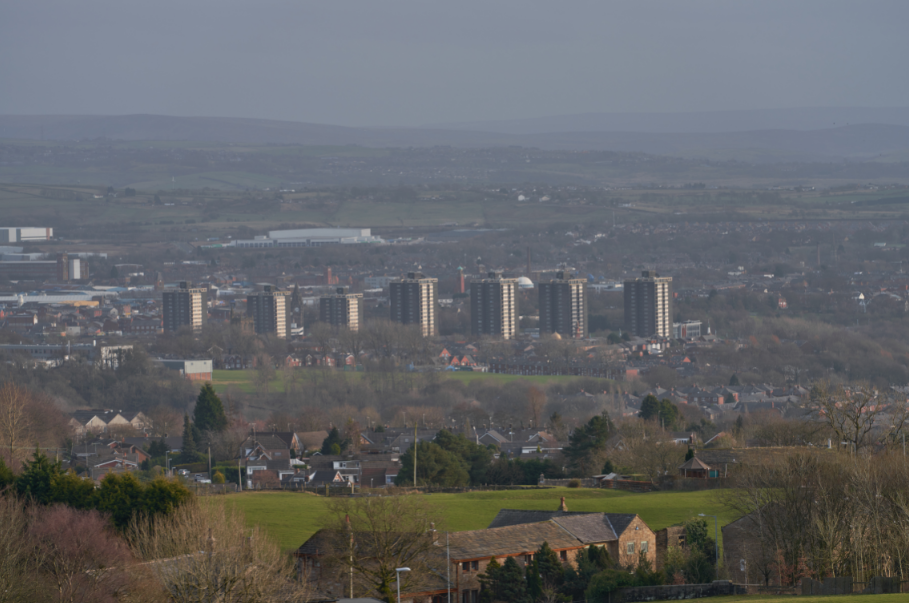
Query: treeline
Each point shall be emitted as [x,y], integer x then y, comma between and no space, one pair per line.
[138,383]
[121,497]
[452,460]
[824,513]
[780,350]
[55,553]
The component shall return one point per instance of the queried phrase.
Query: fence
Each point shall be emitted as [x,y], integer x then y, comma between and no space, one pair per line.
[628,485]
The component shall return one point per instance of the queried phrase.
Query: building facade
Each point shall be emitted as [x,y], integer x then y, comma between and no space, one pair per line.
[342,309]
[270,310]
[494,306]
[690,329]
[17,234]
[648,305]
[62,269]
[563,306]
[185,306]
[413,302]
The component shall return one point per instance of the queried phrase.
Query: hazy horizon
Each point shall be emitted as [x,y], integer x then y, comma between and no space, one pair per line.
[409,63]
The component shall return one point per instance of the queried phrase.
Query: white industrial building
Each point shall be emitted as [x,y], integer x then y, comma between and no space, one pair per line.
[16,234]
[310,237]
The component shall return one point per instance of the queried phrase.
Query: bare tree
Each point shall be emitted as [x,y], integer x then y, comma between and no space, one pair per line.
[16,552]
[858,413]
[647,450]
[205,552]
[370,537]
[164,420]
[536,402]
[80,558]
[15,423]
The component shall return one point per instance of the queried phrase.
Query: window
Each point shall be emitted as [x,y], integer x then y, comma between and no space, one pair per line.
[528,559]
[465,566]
[475,565]
[644,546]
[563,556]
[465,596]
[629,548]
[474,596]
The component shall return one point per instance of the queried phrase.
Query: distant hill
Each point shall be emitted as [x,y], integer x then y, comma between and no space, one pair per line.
[706,122]
[862,141]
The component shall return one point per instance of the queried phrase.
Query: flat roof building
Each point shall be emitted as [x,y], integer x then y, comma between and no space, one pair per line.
[342,309]
[270,309]
[690,329]
[185,306]
[16,234]
[648,305]
[413,301]
[563,306]
[494,306]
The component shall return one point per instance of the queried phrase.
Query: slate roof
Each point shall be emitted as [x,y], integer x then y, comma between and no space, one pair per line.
[285,436]
[510,540]
[320,543]
[514,517]
[588,528]
[620,521]
[267,442]
[311,440]
[326,476]
[694,464]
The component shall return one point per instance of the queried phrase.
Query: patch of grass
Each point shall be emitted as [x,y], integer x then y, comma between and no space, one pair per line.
[292,517]
[826,599]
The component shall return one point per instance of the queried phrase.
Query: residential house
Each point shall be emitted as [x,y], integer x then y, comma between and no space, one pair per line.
[311,440]
[99,420]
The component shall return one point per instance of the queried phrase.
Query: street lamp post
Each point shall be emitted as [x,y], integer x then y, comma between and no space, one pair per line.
[716,539]
[398,579]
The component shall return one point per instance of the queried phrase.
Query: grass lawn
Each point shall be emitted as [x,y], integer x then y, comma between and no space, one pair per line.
[826,599]
[292,517]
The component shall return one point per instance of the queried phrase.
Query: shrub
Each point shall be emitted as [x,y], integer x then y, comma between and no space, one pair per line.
[575,483]
[217,478]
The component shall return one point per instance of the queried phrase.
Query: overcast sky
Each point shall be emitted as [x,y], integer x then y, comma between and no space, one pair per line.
[400,62]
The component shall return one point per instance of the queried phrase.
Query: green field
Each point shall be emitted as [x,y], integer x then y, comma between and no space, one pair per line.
[828,599]
[291,517]
[246,380]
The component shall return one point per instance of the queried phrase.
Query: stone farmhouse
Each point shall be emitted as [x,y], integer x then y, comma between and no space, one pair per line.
[513,533]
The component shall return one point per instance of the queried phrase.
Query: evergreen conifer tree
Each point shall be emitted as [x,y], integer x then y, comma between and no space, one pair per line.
[334,438]
[209,413]
[549,566]
[534,582]
[188,454]
[489,581]
[511,582]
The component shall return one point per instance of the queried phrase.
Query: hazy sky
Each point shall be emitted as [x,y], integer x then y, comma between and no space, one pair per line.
[401,62]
